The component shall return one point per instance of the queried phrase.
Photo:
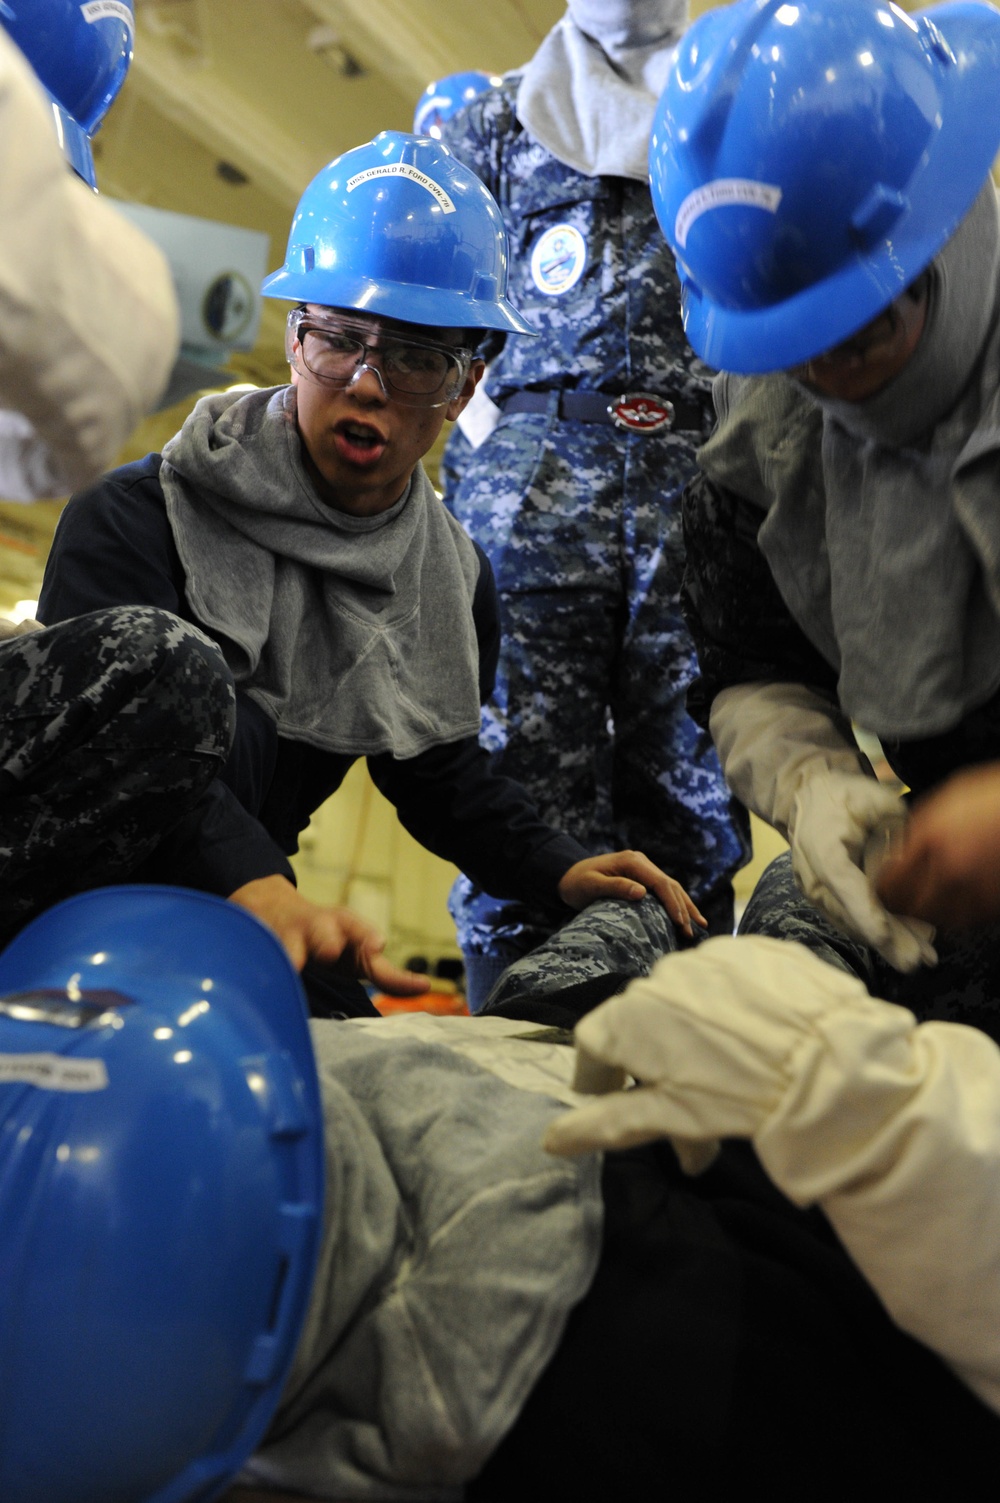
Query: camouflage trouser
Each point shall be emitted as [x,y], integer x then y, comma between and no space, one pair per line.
[111,727]
[964,987]
[589,959]
[582,525]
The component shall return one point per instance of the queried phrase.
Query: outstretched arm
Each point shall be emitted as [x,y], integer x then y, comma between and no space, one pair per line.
[892,1127]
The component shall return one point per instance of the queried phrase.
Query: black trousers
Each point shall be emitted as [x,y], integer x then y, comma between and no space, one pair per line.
[729,1348]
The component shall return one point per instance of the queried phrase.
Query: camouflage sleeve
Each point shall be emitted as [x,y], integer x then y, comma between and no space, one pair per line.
[742,629]
[479,135]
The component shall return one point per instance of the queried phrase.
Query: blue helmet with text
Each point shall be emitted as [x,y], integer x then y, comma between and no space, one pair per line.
[808,159]
[81,54]
[161,1182]
[400,227]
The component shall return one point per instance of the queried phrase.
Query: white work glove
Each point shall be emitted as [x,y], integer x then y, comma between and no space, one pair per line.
[789,755]
[836,819]
[713,1038]
[893,1128]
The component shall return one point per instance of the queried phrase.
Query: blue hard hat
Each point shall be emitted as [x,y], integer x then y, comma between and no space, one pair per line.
[445,97]
[81,54]
[402,228]
[810,157]
[161,1176]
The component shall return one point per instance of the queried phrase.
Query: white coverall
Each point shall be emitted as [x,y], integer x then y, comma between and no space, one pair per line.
[89,326]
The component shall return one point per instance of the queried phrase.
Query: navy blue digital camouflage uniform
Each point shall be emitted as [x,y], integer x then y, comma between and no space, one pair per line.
[112,726]
[581,522]
[592,957]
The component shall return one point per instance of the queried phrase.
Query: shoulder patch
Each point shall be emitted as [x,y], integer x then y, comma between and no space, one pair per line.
[558,259]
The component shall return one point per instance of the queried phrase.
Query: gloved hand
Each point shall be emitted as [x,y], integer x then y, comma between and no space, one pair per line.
[718,1039]
[788,752]
[835,817]
[893,1128]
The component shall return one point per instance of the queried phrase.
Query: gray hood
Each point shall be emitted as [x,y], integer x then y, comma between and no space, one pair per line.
[589,92]
[883,530]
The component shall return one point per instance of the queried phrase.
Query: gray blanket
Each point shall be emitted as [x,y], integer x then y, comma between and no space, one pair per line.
[453,1251]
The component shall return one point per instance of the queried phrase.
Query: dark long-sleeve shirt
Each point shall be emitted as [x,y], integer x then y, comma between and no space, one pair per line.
[114,546]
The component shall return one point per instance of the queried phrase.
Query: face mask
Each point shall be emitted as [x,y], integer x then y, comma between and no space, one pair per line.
[619,25]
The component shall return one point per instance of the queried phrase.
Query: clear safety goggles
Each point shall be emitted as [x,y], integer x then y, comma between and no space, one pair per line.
[335,351]
[872,342]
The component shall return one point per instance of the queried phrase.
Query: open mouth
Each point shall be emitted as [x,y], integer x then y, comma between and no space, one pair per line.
[358,443]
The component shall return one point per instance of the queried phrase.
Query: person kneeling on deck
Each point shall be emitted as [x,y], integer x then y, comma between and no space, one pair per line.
[297,527]
[334,1261]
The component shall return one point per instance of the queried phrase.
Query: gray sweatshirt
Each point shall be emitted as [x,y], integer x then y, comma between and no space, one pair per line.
[454,1249]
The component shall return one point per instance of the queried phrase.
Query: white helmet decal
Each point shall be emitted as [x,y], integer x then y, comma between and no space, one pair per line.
[403,169]
[108,10]
[720,192]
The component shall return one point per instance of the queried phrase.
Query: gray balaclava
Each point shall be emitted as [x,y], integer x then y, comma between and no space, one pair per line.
[891,563]
[589,92]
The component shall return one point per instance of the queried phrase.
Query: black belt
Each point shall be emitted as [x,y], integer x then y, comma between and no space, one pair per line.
[635,411]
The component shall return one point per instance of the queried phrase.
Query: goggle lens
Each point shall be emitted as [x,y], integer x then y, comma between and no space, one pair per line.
[426,374]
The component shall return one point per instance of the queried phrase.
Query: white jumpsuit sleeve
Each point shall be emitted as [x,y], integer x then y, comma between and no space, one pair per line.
[88,316]
[772,737]
[788,753]
[892,1127]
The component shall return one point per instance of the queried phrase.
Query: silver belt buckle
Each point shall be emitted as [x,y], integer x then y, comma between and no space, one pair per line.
[641,412]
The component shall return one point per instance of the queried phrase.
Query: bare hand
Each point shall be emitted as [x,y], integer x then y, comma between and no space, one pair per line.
[947,866]
[629,874]
[335,935]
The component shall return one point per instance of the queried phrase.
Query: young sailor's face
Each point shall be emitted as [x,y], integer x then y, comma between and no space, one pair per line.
[362,437]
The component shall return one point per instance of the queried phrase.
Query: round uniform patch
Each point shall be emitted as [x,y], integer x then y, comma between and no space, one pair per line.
[558,259]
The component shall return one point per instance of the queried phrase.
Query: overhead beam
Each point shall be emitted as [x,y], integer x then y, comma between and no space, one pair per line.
[411,42]
[195,99]
[409,54]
